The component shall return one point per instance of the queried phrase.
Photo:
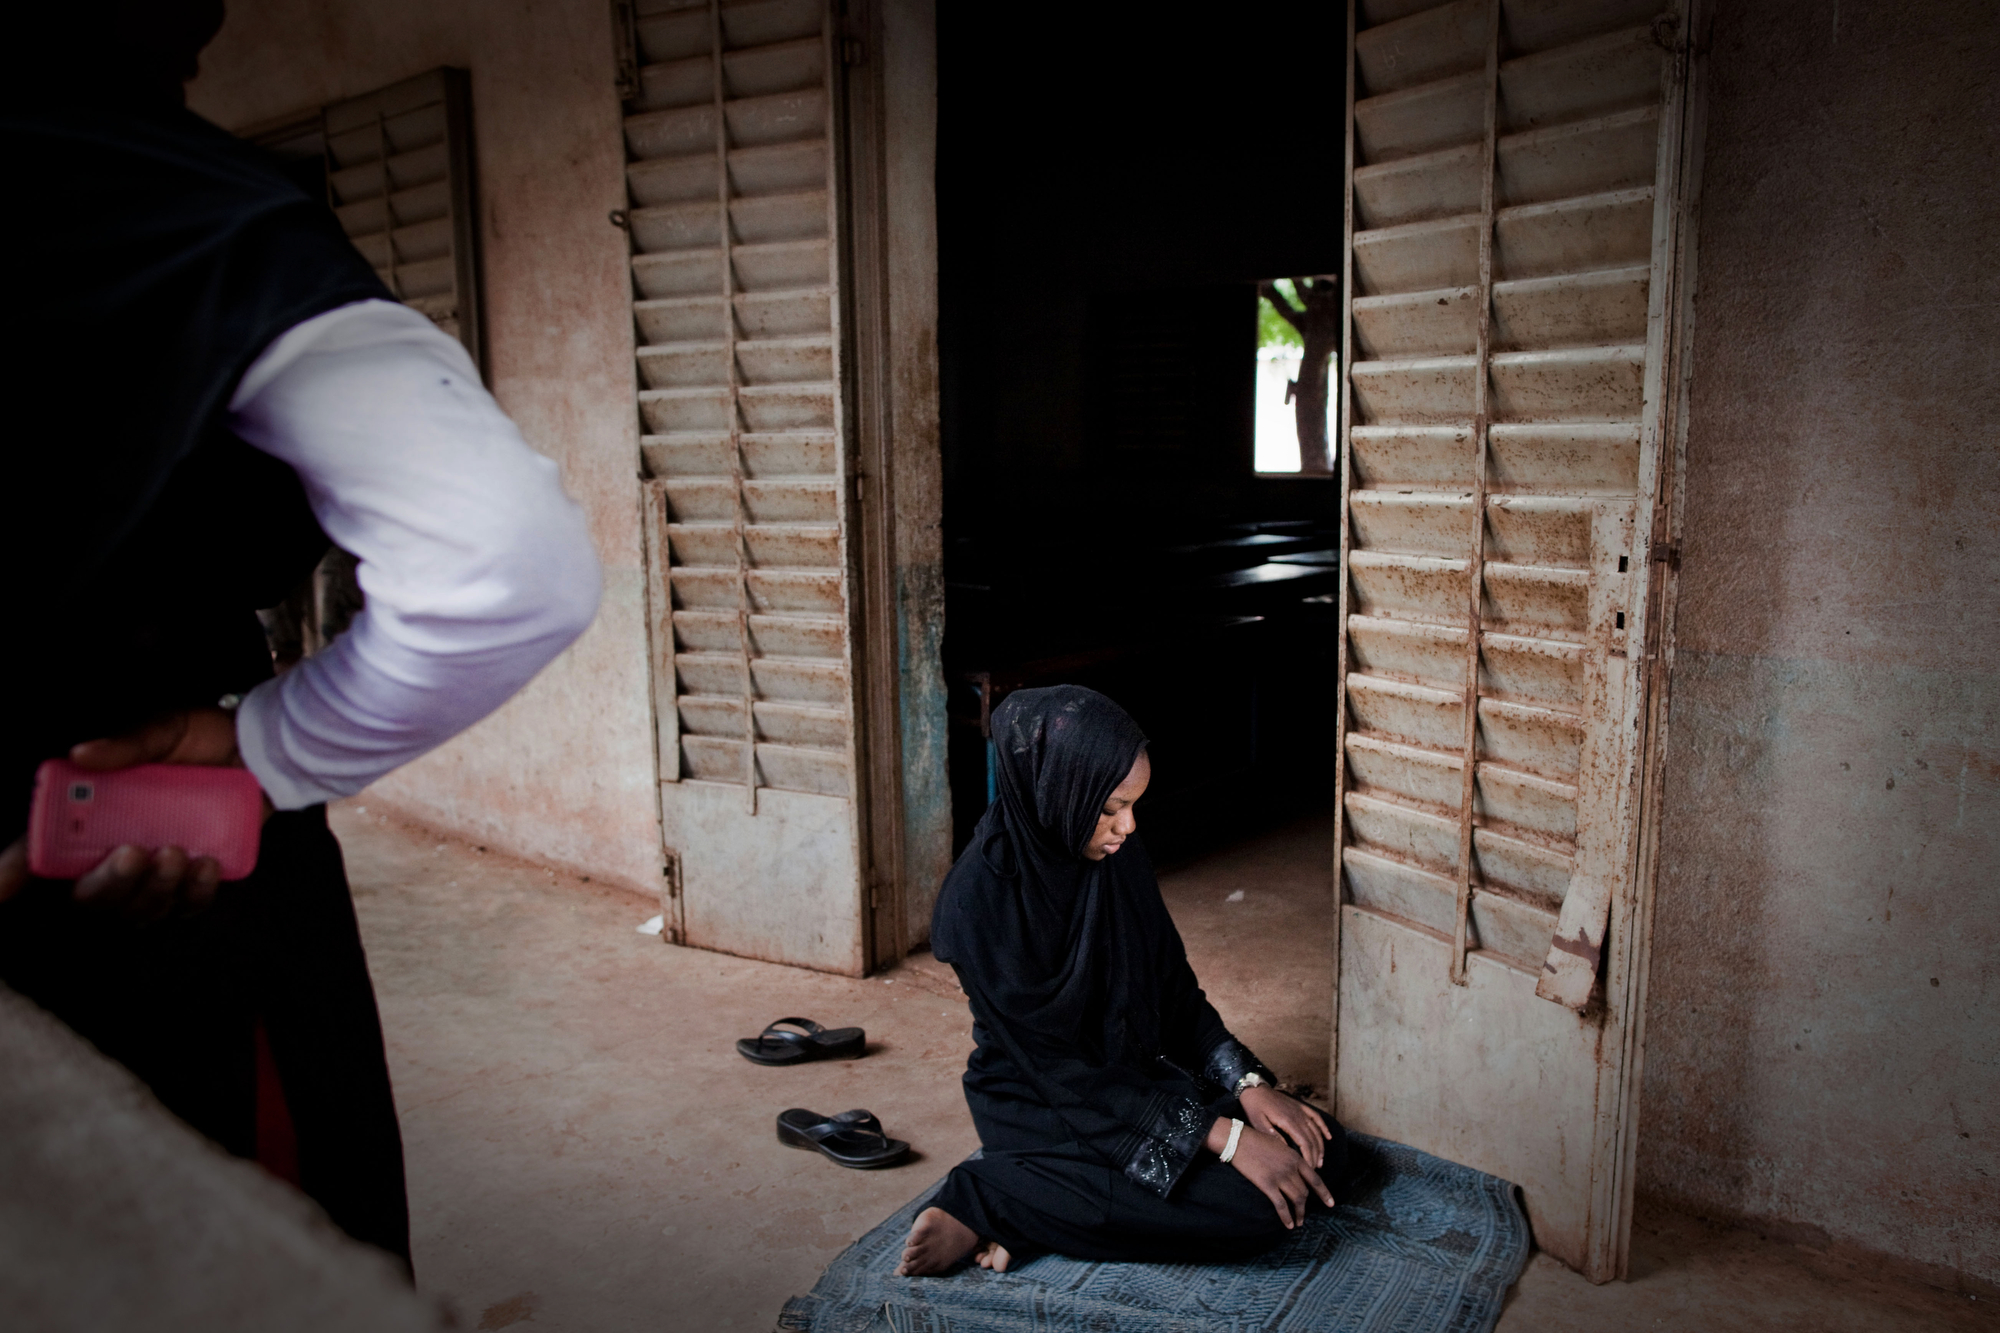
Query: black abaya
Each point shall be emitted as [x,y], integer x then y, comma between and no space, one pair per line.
[1099,1063]
[1070,1203]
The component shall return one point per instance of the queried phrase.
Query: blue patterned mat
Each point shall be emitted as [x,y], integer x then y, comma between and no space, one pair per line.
[1417,1245]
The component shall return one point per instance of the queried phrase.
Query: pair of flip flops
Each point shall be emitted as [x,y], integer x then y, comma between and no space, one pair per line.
[852,1138]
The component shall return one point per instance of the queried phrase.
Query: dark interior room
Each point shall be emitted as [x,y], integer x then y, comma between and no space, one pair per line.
[1108,203]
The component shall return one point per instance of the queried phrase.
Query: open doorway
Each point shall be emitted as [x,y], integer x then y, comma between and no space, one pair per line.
[1122,508]
[1158,565]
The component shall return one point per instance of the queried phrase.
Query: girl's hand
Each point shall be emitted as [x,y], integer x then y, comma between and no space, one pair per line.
[1269,1163]
[1275,1113]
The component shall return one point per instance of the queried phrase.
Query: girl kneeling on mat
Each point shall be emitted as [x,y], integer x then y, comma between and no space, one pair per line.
[1118,1118]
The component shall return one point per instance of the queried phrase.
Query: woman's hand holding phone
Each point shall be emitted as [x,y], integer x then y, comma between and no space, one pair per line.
[146,883]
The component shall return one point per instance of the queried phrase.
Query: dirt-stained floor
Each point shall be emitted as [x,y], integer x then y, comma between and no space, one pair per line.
[587,1152]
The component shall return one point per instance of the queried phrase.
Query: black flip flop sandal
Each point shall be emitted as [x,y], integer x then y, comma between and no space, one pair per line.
[852,1138]
[776,1046]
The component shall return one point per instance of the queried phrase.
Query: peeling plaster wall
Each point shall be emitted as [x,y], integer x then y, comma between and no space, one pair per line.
[563,773]
[1823,1039]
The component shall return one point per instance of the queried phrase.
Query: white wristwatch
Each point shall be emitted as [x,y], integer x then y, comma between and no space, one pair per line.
[1250,1080]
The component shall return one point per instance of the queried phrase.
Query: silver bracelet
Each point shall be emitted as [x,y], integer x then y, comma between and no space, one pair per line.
[1235,1136]
[1250,1080]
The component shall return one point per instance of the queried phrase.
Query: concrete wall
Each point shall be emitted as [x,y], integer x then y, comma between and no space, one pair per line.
[564,773]
[1824,1019]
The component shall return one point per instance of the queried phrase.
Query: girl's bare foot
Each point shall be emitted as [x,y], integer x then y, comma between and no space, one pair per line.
[993,1255]
[937,1241]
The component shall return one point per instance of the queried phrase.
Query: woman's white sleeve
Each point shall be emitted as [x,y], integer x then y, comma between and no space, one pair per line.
[477,568]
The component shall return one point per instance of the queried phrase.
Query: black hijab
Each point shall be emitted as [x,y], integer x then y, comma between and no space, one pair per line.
[1061,948]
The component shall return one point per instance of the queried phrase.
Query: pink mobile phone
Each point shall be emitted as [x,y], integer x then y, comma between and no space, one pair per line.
[82,815]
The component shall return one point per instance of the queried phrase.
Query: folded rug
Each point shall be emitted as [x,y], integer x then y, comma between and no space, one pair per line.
[1417,1245]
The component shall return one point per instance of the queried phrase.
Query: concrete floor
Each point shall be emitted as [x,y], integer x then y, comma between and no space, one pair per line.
[587,1152]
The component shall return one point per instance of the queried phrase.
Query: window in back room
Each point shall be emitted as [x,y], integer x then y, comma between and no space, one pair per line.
[1298,336]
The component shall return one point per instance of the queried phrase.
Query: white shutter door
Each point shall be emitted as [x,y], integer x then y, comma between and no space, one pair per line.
[399,176]
[731,177]
[1512,202]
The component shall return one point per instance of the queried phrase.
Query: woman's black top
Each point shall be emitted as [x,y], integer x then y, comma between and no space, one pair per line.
[1092,1032]
[159,257]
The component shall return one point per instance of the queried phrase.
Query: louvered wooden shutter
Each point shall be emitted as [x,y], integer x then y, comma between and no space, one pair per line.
[734,271]
[397,170]
[399,175]
[1503,423]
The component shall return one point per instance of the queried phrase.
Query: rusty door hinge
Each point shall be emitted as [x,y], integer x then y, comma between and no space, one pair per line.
[671,919]
[1668,554]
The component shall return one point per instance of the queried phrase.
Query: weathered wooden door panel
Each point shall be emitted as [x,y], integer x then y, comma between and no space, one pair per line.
[1515,176]
[733,181]
[1532,1119]
[780,912]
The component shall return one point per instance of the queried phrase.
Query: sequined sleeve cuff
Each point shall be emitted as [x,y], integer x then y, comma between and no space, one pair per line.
[1176,1128]
[1230,1061]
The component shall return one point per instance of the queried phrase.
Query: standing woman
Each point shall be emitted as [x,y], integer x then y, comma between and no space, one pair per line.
[1118,1118]
[205,382]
